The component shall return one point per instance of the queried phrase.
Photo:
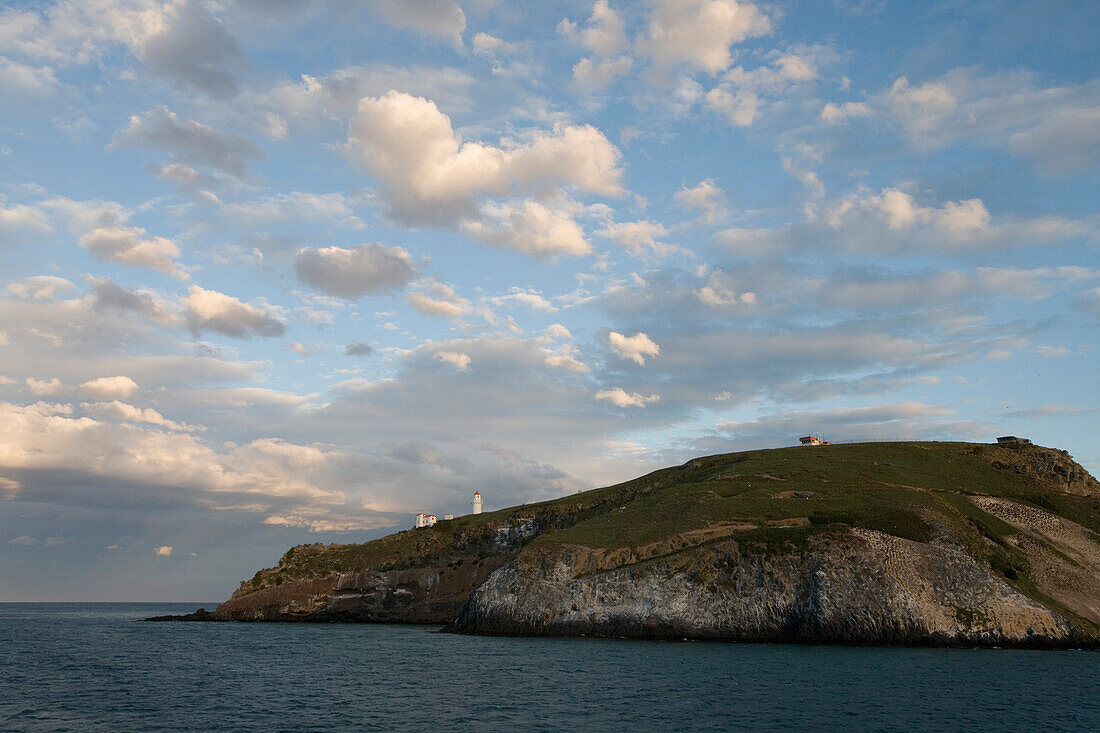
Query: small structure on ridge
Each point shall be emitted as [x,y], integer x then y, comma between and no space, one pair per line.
[812,440]
[477,502]
[1012,440]
[425,520]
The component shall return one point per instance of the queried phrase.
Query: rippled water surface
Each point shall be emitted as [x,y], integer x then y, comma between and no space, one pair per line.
[96,667]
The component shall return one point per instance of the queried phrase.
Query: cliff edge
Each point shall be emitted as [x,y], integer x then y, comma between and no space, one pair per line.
[873,543]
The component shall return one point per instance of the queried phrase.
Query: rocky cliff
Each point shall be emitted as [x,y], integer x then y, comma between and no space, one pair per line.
[890,543]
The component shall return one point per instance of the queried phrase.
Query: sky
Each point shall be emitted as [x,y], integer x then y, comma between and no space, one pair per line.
[275,272]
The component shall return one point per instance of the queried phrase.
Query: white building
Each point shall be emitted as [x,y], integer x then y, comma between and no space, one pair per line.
[425,520]
[477,502]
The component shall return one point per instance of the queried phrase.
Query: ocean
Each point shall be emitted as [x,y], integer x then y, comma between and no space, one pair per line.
[88,667]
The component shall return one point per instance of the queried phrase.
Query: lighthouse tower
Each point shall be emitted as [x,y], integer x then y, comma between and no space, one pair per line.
[477,502]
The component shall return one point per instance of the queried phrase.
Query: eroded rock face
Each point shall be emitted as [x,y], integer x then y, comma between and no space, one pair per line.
[854,586]
[415,595]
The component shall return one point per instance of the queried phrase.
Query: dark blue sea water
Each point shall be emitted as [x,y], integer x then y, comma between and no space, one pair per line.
[96,667]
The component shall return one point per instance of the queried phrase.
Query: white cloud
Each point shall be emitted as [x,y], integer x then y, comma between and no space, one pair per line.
[179,40]
[22,222]
[557,331]
[429,175]
[209,310]
[39,440]
[531,228]
[164,551]
[621,398]
[635,348]
[40,287]
[707,198]
[639,237]
[456,359]
[129,245]
[22,81]
[699,33]
[110,388]
[116,410]
[742,94]
[920,109]
[52,386]
[832,114]
[739,108]
[443,301]
[527,298]
[605,36]
[355,271]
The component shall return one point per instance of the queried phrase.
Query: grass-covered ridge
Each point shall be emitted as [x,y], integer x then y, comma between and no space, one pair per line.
[770,500]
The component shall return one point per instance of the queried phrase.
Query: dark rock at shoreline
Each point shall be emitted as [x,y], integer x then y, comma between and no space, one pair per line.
[200,615]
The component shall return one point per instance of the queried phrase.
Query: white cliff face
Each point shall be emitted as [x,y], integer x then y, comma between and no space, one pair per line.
[859,586]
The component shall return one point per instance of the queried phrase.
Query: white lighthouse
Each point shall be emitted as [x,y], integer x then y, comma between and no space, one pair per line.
[477,502]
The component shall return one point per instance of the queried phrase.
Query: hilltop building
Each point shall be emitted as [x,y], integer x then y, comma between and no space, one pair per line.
[429,520]
[1012,440]
[812,440]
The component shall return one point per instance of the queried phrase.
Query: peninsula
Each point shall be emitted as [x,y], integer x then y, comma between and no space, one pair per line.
[909,543]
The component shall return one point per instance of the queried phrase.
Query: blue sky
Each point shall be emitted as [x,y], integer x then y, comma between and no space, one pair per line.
[291,271]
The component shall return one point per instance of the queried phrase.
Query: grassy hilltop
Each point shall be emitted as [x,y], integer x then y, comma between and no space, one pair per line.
[1015,510]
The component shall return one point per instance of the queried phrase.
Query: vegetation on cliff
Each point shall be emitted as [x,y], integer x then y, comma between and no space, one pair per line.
[1029,515]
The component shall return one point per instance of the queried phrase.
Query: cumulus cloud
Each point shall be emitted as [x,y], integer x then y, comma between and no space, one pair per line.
[640,237]
[27,82]
[439,300]
[621,398]
[309,101]
[699,33]
[832,114]
[557,331]
[40,287]
[110,388]
[635,348]
[189,142]
[456,359]
[429,175]
[706,198]
[52,386]
[741,94]
[21,222]
[605,36]
[117,410]
[37,441]
[179,40]
[531,228]
[527,298]
[129,245]
[209,310]
[355,271]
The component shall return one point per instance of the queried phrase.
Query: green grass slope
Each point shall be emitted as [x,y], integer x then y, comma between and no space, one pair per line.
[772,500]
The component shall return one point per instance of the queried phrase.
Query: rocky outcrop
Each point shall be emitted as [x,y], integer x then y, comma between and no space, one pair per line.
[430,595]
[845,586]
